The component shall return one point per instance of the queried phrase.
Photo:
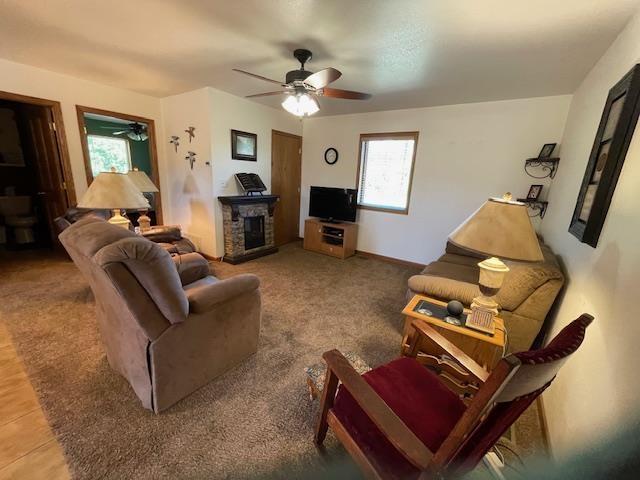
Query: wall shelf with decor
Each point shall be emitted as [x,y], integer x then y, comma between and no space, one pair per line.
[549,166]
[539,207]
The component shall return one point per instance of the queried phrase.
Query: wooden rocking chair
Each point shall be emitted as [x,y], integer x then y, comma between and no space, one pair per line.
[399,421]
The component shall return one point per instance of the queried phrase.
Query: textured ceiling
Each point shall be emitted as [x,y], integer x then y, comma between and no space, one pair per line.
[406,53]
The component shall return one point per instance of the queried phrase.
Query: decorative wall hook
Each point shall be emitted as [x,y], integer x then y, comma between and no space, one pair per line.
[191,156]
[176,141]
[190,131]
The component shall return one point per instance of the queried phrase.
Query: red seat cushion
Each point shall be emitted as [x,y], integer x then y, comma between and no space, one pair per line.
[417,397]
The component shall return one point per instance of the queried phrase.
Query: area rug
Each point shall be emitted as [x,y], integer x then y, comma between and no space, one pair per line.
[255,421]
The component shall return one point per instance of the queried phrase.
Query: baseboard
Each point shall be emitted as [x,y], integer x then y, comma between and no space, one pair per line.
[384,258]
[210,258]
[545,428]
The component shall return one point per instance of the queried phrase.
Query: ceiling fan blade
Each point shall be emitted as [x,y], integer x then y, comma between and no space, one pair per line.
[120,132]
[260,77]
[348,94]
[267,94]
[323,77]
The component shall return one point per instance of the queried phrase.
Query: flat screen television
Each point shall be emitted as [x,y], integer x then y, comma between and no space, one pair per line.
[333,204]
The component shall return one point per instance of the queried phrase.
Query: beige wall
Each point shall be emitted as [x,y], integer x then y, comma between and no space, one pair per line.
[465,154]
[70,91]
[189,192]
[230,112]
[597,389]
[193,194]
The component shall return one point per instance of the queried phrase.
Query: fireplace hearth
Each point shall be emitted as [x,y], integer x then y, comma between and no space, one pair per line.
[248,226]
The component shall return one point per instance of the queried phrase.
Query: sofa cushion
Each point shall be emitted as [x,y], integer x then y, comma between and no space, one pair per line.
[153,268]
[191,267]
[417,397]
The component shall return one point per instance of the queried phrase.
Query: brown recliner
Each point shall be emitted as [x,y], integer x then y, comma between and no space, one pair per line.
[168,328]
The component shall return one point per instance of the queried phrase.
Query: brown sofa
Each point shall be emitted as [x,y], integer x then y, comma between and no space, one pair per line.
[527,294]
[167,325]
[168,236]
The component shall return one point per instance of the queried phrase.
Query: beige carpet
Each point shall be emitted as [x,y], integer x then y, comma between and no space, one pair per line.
[256,420]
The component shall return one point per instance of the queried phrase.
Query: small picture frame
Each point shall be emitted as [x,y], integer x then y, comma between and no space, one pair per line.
[547,150]
[534,192]
[244,146]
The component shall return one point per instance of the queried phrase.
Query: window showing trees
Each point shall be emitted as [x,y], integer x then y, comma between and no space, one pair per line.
[385,171]
[107,153]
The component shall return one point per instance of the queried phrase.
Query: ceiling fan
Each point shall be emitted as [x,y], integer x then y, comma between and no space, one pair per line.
[302,87]
[135,131]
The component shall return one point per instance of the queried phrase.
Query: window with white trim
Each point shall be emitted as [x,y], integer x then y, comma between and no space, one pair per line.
[385,170]
[108,152]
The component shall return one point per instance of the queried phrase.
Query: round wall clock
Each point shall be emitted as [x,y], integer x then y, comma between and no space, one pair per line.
[331,156]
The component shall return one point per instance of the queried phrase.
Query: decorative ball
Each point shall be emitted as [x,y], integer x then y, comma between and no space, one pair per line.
[455,308]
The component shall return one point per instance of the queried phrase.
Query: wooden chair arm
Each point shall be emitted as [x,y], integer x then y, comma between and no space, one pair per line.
[402,438]
[423,329]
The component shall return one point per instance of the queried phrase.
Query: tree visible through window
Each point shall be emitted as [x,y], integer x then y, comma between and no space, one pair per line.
[385,170]
[108,152]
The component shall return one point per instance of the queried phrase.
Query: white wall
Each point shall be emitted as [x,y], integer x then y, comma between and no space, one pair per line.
[597,389]
[189,193]
[230,112]
[70,91]
[193,194]
[465,154]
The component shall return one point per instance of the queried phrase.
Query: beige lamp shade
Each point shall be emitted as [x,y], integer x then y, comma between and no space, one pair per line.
[111,190]
[142,181]
[499,228]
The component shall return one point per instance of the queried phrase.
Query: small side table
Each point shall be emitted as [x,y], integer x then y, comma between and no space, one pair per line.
[485,349]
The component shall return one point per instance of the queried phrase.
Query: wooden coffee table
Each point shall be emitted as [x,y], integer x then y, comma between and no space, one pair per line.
[484,349]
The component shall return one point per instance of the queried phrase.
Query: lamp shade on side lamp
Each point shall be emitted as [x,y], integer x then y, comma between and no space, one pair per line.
[142,181]
[113,191]
[499,228]
[145,185]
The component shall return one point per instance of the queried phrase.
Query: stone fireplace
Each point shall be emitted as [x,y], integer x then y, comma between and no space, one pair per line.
[248,226]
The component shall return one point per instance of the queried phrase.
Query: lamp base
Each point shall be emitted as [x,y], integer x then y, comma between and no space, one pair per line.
[118,219]
[144,222]
[488,304]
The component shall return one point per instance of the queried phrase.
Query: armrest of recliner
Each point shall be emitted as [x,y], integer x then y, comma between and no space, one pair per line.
[191,267]
[205,298]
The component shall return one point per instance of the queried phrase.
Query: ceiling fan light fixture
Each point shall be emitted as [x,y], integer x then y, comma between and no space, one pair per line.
[301,105]
[138,137]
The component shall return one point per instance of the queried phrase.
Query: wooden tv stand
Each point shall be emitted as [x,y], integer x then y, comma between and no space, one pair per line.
[335,239]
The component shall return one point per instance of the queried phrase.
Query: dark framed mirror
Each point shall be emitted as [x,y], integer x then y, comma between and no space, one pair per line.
[112,140]
[608,153]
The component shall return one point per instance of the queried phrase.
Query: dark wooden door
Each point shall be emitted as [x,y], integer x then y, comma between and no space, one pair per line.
[286,169]
[52,195]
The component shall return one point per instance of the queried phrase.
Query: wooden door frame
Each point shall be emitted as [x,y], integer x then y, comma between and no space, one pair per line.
[291,135]
[58,132]
[151,131]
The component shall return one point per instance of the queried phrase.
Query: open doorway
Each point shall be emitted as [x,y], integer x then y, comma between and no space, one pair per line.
[121,142]
[35,174]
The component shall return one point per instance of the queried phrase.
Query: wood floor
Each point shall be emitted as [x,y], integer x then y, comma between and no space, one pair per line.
[28,449]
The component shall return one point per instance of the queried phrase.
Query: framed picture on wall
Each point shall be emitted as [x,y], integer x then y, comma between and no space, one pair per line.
[609,150]
[244,146]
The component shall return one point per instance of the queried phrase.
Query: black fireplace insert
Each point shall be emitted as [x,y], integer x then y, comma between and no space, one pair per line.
[254,232]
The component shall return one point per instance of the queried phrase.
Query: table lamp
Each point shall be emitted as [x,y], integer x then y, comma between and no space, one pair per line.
[499,228]
[142,181]
[113,191]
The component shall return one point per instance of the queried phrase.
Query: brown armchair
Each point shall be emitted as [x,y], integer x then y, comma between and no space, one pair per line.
[167,325]
[398,421]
